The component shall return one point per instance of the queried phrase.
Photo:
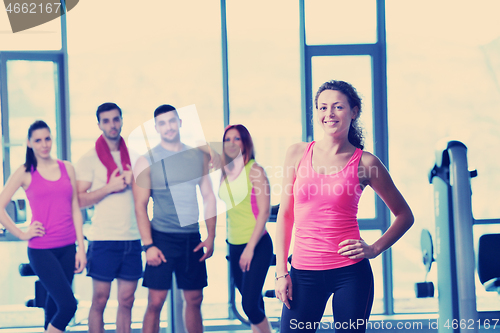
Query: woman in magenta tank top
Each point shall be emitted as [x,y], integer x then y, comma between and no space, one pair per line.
[323,181]
[56,224]
[245,190]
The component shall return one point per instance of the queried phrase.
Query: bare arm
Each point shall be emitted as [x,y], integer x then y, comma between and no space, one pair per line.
[285,218]
[141,188]
[210,212]
[284,223]
[18,179]
[81,258]
[381,182]
[262,195]
[215,158]
[142,191]
[116,183]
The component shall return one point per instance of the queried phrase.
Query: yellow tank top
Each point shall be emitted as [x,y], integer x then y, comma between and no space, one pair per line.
[242,210]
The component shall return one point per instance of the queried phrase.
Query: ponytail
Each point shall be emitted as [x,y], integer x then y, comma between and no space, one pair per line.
[355,135]
[30,163]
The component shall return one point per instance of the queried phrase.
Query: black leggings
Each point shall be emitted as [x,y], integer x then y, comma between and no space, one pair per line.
[251,282]
[352,288]
[55,269]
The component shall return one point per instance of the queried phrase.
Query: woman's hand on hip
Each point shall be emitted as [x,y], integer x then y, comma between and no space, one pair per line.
[356,249]
[35,229]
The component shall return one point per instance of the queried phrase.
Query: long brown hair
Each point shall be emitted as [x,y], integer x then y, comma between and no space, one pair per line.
[248,151]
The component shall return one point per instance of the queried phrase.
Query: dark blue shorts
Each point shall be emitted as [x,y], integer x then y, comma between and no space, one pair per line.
[190,273]
[109,260]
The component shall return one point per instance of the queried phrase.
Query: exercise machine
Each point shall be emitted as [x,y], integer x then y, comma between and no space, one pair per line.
[450,178]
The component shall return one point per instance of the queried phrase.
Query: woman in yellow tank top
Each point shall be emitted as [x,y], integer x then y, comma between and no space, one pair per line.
[245,190]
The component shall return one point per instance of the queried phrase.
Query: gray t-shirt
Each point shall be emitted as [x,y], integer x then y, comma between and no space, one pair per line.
[174,178]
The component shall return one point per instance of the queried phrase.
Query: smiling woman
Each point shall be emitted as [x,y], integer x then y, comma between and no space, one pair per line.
[329,255]
[245,190]
[340,107]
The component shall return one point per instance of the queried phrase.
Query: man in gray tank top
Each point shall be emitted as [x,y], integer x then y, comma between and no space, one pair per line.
[170,173]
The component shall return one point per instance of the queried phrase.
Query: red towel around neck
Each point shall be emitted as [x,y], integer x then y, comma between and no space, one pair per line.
[104,154]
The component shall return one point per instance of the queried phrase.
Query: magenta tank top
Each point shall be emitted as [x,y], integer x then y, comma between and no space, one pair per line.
[51,204]
[325,209]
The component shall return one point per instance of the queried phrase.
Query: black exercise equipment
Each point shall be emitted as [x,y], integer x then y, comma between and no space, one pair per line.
[488,262]
[17,210]
[40,291]
[426,289]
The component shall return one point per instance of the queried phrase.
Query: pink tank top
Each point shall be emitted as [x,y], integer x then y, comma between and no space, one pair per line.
[325,209]
[51,204]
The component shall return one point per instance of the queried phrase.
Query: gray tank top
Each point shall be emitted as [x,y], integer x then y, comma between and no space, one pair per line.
[174,177]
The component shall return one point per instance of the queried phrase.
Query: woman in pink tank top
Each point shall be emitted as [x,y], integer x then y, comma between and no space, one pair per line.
[322,184]
[56,224]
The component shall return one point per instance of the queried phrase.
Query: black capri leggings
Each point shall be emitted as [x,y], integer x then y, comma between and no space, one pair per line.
[55,269]
[352,288]
[250,283]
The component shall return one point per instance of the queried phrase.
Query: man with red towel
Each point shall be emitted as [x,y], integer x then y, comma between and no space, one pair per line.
[104,180]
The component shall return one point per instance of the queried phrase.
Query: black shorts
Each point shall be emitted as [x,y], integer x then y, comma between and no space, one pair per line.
[190,273]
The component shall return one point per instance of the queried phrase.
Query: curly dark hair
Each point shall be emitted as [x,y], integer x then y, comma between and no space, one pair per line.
[355,135]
